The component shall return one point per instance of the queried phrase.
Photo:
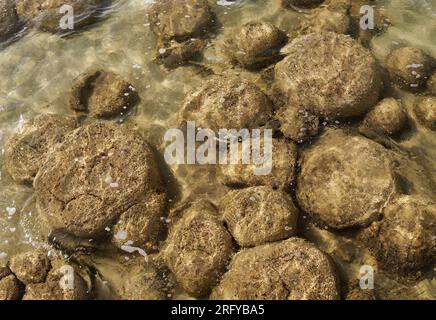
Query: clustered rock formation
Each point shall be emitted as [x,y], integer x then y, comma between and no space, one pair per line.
[98,180]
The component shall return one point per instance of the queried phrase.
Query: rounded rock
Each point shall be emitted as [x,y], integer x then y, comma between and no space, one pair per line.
[425,112]
[255,44]
[345,180]
[180,20]
[198,248]
[409,68]
[98,173]
[387,117]
[103,94]
[258,215]
[404,240]
[227,102]
[46,15]
[292,269]
[329,74]
[297,124]
[283,162]
[144,282]
[63,282]
[10,288]
[26,150]
[141,225]
[31,267]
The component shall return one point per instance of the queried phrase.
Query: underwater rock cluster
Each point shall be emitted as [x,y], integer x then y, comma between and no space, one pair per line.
[101,191]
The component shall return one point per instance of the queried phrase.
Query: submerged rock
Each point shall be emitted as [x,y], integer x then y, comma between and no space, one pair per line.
[103,95]
[292,269]
[10,288]
[409,68]
[404,240]
[144,282]
[46,15]
[99,173]
[141,225]
[425,112]
[331,18]
[255,44]
[176,25]
[302,3]
[328,74]
[345,180]
[31,267]
[180,20]
[387,117]
[227,103]
[173,54]
[198,248]
[63,282]
[283,163]
[9,22]
[27,149]
[297,124]
[258,215]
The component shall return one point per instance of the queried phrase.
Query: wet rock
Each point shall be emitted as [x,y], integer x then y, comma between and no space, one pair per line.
[173,54]
[258,215]
[198,248]
[180,20]
[144,282]
[103,94]
[425,112]
[46,15]
[409,68]
[360,294]
[302,3]
[10,288]
[325,19]
[63,282]
[387,118]
[403,241]
[227,102]
[141,225]
[329,74]
[283,164]
[297,124]
[176,26]
[292,269]
[9,22]
[26,150]
[255,44]
[345,180]
[31,267]
[100,172]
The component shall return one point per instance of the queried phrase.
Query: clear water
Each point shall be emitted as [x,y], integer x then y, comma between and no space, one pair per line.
[37,72]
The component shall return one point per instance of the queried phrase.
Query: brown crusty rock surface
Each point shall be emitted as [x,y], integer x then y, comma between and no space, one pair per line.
[258,215]
[198,248]
[328,74]
[292,269]
[345,180]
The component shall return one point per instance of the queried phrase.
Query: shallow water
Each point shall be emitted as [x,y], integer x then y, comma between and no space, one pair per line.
[37,73]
